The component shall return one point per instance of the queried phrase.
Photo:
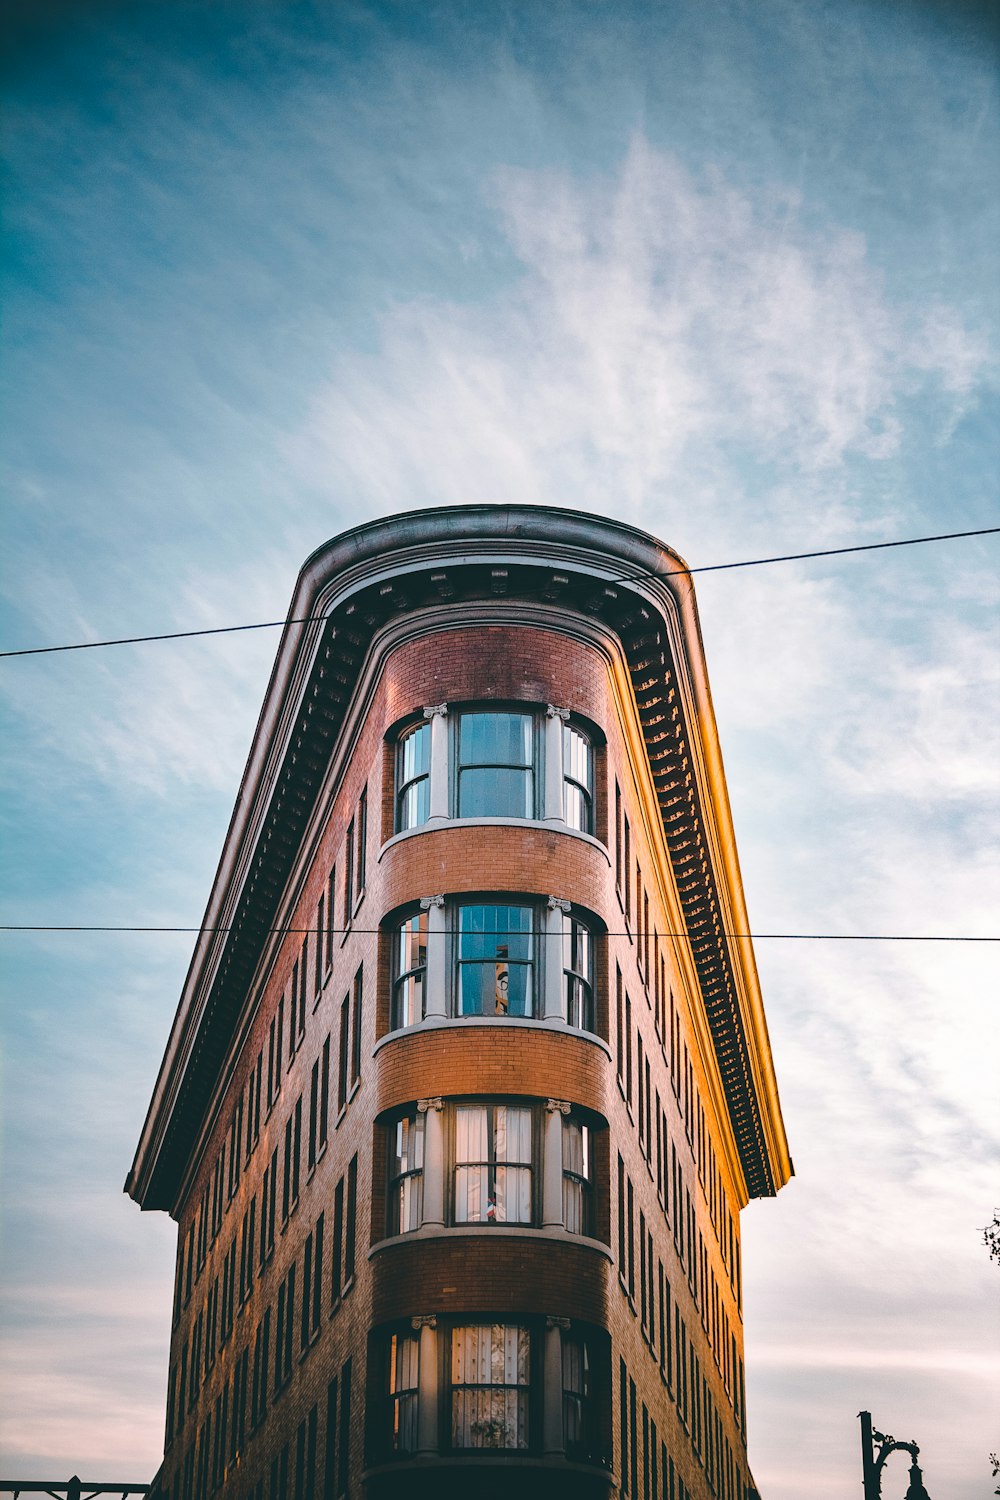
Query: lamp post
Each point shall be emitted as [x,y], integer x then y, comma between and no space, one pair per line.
[872,1461]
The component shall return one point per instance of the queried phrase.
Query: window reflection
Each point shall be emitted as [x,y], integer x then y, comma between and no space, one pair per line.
[496,777]
[494,961]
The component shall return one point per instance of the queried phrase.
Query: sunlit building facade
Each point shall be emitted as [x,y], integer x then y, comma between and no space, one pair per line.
[470,1077]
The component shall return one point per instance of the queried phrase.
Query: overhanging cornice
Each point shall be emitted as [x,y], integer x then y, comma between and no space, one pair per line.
[347,591]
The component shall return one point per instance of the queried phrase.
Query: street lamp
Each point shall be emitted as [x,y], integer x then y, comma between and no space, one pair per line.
[872,1461]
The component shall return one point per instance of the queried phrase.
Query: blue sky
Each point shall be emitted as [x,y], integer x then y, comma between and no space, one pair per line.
[728,271]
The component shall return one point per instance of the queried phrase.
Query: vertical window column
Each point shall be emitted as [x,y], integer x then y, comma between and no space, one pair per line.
[553,1437]
[437,713]
[555,718]
[552,1163]
[427,1386]
[433,1213]
[555,1002]
[436,986]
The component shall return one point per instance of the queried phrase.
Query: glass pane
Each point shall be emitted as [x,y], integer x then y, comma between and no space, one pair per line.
[412,953]
[409,1145]
[512,1204]
[573,1216]
[576,756]
[408,1000]
[576,807]
[496,792]
[416,753]
[494,954]
[414,804]
[495,739]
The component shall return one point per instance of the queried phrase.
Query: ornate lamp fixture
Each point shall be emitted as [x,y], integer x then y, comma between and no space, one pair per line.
[875,1449]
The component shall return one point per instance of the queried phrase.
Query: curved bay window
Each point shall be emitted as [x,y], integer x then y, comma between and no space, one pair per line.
[404,1368]
[406,1167]
[493,1164]
[489,1385]
[578,973]
[578,1179]
[409,971]
[578,779]
[495,954]
[413,778]
[495,760]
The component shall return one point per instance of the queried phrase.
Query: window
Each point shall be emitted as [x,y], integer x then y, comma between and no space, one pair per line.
[489,1386]
[578,974]
[413,778]
[406,1174]
[492,1164]
[409,971]
[578,780]
[404,1364]
[495,765]
[577,1177]
[495,960]
[577,1379]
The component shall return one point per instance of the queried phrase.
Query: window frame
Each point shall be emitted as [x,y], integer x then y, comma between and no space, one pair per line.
[403,786]
[586,789]
[581,1181]
[534,767]
[492,1164]
[532,964]
[400,976]
[527,1387]
[396,1178]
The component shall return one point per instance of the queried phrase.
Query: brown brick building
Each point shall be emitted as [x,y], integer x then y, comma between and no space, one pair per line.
[470,1077]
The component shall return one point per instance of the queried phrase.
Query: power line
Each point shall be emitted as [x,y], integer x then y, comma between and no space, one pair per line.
[757,937]
[754,562]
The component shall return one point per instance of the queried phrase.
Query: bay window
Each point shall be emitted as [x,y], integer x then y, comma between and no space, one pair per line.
[493,1164]
[514,959]
[490,1372]
[514,762]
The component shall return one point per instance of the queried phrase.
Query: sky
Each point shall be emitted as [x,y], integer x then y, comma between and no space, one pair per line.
[724,269]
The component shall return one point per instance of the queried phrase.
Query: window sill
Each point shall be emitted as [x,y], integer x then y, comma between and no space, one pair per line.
[527,1023]
[550,1233]
[436,825]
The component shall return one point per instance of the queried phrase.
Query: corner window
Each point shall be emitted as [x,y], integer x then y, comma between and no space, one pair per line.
[578,973]
[495,961]
[406,1168]
[578,1178]
[404,1366]
[493,1164]
[578,779]
[409,971]
[413,778]
[489,1386]
[495,765]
